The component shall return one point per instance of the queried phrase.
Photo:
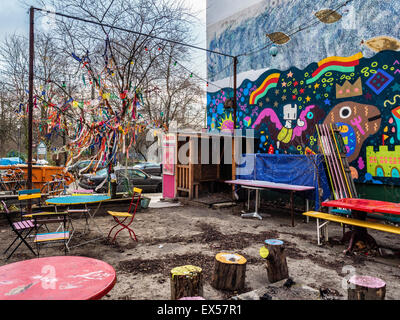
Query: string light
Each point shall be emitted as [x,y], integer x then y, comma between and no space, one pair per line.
[312,22]
[191,74]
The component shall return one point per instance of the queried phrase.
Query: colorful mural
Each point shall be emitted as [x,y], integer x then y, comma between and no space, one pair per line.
[360,95]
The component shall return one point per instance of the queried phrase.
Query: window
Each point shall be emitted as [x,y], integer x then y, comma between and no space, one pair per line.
[83,164]
[153,166]
[138,174]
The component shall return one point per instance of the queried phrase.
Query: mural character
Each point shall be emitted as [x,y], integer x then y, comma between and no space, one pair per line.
[295,128]
[356,123]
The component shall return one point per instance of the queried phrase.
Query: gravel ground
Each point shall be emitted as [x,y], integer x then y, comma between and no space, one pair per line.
[174,236]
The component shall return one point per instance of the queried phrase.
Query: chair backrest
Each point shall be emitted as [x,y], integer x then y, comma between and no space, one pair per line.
[4,205]
[7,213]
[135,191]
[29,194]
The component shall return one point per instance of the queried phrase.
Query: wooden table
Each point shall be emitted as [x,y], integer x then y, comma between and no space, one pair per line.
[359,210]
[56,278]
[365,205]
[258,185]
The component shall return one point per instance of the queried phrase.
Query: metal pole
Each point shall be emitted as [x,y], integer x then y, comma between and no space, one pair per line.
[235,61]
[19,141]
[30,109]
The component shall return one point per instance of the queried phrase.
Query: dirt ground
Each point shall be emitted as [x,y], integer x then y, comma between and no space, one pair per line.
[191,234]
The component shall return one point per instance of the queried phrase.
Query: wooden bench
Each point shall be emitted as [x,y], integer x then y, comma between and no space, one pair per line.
[348,221]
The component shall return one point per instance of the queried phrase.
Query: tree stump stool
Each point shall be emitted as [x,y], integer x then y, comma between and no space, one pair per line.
[186,281]
[276,261]
[229,271]
[366,288]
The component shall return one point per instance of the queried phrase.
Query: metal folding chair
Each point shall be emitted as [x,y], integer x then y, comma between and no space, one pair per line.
[60,218]
[29,195]
[40,218]
[127,217]
[22,229]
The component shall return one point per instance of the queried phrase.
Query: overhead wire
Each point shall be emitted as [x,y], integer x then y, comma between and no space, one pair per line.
[314,21]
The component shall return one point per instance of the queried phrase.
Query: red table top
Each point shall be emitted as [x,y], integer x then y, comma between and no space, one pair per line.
[365,205]
[56,278]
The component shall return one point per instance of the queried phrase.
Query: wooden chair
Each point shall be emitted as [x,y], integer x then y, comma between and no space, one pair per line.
[126,216]
[22,229]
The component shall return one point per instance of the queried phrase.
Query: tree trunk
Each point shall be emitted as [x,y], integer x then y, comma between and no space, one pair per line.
[276,261]
[366,288]
[229,271]
[186,281]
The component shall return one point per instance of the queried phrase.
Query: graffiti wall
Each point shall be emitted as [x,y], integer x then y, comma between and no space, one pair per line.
[360,95]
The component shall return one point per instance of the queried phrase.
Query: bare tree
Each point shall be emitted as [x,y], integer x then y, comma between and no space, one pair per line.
[50,71]
[123,67]
[95,84]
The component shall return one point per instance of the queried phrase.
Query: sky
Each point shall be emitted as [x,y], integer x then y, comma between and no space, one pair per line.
[14,18]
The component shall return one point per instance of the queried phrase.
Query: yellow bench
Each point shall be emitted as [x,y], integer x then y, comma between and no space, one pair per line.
[348,221]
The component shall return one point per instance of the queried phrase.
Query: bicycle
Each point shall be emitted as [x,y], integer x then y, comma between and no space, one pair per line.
[12,179]
[56,186]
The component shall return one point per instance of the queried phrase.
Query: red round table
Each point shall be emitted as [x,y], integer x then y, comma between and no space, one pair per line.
[56,278]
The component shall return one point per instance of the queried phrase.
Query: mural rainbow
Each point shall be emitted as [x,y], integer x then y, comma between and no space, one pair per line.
[339,64]
[269,83]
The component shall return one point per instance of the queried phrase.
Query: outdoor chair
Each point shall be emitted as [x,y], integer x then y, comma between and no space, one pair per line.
[46,218]
[28,195]
[40,218]
[126,216]
[22,229]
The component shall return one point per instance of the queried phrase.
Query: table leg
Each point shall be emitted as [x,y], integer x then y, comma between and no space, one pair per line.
[292,207]
[358,234]
[248,199]
[255,213]
[91,217]
[307,209]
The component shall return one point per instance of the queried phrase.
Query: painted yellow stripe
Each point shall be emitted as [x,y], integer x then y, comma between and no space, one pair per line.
[238,259]
[30,196]
[357,56]
[354,222]
[43,214]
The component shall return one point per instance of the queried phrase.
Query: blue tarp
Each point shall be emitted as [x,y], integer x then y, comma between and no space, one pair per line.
[10,161]
[289,169]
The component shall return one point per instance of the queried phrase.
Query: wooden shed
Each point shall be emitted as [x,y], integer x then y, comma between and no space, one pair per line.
[203,161]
